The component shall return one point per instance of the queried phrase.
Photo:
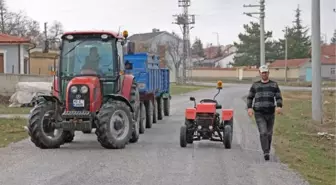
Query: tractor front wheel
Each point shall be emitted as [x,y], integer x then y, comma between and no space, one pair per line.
[41,127]
[183,136]
[69,136]
[115,126]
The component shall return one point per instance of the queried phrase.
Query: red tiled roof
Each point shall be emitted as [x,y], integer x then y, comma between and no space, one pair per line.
[12,39]
[290,62]
[329,50]
[331,60]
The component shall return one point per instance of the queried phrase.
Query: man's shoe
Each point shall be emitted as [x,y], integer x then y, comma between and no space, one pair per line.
[267,157]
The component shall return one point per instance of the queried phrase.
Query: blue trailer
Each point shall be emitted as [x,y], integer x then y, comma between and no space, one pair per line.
[153,84]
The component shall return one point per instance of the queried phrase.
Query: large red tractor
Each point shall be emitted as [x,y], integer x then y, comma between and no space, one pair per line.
[203,122]
[90,91]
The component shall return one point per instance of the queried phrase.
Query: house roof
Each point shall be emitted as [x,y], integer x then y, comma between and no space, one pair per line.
[329,50]
[4,38]
[144,36]
[328,60]
[290,62]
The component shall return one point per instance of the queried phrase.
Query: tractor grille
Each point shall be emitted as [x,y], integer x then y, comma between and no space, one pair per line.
[204,120]
[79,96]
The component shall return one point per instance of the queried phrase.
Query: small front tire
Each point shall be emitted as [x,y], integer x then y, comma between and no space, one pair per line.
[227,138]
[183,136]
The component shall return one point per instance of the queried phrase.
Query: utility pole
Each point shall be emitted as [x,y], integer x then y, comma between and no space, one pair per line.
[46,41]
[262,27]
[217,38]
[316,62]
[185,20]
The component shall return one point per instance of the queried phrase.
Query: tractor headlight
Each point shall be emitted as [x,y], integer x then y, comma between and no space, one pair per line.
[84,89]
[73,89]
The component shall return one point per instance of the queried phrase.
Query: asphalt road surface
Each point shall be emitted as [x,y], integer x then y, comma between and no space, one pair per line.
[157,159]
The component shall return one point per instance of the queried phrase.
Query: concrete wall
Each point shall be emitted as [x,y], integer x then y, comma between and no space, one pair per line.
[242,74]
[9,81]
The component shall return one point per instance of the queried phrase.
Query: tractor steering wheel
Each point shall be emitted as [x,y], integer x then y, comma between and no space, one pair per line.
[208,101]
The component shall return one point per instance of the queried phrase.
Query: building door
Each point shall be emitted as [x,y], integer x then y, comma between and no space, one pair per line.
[308,74]
[2,63]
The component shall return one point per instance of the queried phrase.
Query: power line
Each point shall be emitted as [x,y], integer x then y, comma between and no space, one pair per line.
[184,20]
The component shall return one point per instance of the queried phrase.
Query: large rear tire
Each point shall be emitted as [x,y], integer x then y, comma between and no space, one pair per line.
[135,103]
[227,138]
[115,125]
[41,128]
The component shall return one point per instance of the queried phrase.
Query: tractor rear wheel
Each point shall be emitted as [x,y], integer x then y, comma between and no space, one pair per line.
[227,135]
[69,136]
[166,106]
[114,128]
[142,118]
[135,102]
[149,113]
[41,127]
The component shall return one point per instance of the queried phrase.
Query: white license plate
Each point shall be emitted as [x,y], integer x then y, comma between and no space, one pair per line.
[78,103]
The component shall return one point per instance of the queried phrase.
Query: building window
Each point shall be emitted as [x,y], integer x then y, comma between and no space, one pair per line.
[332,71]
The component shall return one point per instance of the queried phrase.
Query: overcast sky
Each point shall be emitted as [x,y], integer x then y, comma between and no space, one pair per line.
[222,16]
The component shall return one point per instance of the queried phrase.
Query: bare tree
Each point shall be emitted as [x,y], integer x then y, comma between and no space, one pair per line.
[54,32]
[176,55]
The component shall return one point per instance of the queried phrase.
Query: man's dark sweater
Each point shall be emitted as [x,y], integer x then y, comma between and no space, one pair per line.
[263,94]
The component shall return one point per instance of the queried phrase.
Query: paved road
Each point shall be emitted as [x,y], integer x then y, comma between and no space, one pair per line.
[156,159]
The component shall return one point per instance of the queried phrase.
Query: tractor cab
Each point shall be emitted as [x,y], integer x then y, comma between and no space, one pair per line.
[87,56]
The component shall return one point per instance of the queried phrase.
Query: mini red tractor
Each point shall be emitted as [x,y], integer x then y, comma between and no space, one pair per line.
[90,91]
[204,123]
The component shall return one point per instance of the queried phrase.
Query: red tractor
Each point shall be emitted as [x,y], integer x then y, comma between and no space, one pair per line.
[204,123]
[90,91]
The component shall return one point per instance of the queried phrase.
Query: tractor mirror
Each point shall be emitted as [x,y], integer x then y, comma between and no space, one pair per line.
[192,98]
[219,84]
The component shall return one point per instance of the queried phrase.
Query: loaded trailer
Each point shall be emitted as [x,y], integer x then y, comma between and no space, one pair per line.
[153,85]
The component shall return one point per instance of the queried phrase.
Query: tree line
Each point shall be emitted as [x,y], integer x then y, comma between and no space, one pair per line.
[248,47]
[21,25]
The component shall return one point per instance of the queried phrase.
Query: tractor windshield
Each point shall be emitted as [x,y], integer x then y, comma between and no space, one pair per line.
[85,55]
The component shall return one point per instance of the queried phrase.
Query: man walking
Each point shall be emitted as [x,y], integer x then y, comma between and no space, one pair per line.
[264,92]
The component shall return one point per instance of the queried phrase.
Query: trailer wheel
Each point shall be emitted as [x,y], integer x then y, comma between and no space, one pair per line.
[142,118]
[160,108]
[69,136]
[155,111]
[166,106]
[149,113]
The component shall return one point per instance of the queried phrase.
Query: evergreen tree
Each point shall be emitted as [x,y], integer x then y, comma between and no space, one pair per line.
[248,50]
[197,48]
[298,42]
[333,40]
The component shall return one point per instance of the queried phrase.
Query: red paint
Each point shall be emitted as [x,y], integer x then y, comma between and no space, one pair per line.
[127,86]
[94,85]
[206,108]
[114,34]
[190,113]
[227,114]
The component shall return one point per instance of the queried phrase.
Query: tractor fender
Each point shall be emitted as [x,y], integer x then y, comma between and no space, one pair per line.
[49,98]
[127,86]
[119,98]
[190,113]
[227,114]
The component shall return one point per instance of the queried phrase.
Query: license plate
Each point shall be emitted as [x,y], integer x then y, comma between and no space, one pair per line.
[78,103]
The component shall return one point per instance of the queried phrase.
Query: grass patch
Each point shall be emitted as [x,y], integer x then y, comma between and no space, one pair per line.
[180,89]
[297,142]
[4,109]
[11,130]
